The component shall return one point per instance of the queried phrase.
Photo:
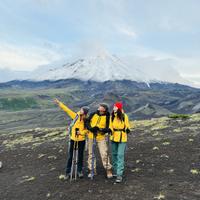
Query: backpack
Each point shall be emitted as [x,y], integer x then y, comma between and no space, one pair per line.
[72,124]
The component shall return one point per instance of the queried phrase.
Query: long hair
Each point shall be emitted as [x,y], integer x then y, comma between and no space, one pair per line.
[120,115]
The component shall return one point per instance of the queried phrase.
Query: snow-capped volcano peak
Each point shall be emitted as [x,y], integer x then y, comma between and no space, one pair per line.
[101,67]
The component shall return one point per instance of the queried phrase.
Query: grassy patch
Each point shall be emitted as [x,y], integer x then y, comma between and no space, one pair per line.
[16,104]
[179,116]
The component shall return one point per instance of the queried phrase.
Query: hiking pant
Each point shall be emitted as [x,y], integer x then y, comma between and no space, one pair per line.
[118,151]
[81,147]
[103,150]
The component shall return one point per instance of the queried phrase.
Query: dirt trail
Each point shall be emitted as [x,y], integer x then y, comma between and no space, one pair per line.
[162,162]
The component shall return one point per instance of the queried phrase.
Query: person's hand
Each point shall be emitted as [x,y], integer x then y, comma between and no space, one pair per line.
[102,131]
[95,129]
[128,131]
[105,130]
[79,133]
[109,131]
[56,101]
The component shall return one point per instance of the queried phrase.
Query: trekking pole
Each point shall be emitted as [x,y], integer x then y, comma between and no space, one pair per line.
[68,141]
[108,144]
[93,155]
[72,166]
[74,157]
[86,144]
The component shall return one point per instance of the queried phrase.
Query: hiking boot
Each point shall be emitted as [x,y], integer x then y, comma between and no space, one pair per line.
[109,173]
[90,173]
[114,175]
[118,179]
[66,177]
[80,174]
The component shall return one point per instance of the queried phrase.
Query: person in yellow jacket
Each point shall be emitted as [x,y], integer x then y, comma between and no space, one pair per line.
[119,125]
[98,125]
[77,132]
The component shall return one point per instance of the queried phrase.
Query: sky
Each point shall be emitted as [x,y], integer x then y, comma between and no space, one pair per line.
[38,32]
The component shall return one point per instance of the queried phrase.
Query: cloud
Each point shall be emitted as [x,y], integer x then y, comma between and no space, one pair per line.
[194,78]
[158,29]
[188,67]
[127,31]
[27,57]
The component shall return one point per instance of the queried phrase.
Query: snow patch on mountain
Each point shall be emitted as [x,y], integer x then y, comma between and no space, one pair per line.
[99,68]
[102,66]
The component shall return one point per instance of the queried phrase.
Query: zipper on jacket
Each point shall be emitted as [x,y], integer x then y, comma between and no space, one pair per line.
[122,131]
[120,136]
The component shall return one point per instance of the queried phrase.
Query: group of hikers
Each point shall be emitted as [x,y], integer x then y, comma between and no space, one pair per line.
[98,128]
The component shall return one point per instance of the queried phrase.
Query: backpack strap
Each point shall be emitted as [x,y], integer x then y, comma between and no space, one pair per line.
[72,124]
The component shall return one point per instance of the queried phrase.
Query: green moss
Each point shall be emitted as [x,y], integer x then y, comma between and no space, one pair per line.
[143,123]
[164,156]
[156,134]
[195,117]
[62,177]
[155,148]
[177,130]
[27,179]
[191,140]
[18,103]
[138,161]
[41,155]
[159,197]
[28,137]
[136,170]
[153,124]
[194,171]
[193,128]
[18,141]
[166,143]
[179,116]
[52,157]
[159,127]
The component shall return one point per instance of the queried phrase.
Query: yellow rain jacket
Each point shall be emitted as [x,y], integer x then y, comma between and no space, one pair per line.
[119,128]
[77,123]
[100,121]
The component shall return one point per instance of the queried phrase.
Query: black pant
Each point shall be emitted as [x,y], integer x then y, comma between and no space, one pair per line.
[81,147]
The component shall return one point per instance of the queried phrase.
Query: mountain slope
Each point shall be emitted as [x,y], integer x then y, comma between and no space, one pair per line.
[99,68]
[103,67]
[140,100]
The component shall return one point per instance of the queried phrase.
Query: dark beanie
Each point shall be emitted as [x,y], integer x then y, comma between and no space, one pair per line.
[85,109]
[105,105]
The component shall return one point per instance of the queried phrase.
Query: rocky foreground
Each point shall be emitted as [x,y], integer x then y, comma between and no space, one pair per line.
[162,162]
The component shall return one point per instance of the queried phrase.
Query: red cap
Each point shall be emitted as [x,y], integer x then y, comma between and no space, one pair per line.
[119,105]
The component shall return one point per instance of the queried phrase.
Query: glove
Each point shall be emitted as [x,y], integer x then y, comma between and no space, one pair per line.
[105,130]
[109,131]
[94,129]
[128,131]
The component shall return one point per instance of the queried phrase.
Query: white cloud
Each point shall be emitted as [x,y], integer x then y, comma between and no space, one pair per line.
[127,31]
[27,57]
[194,78]
[187,67]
